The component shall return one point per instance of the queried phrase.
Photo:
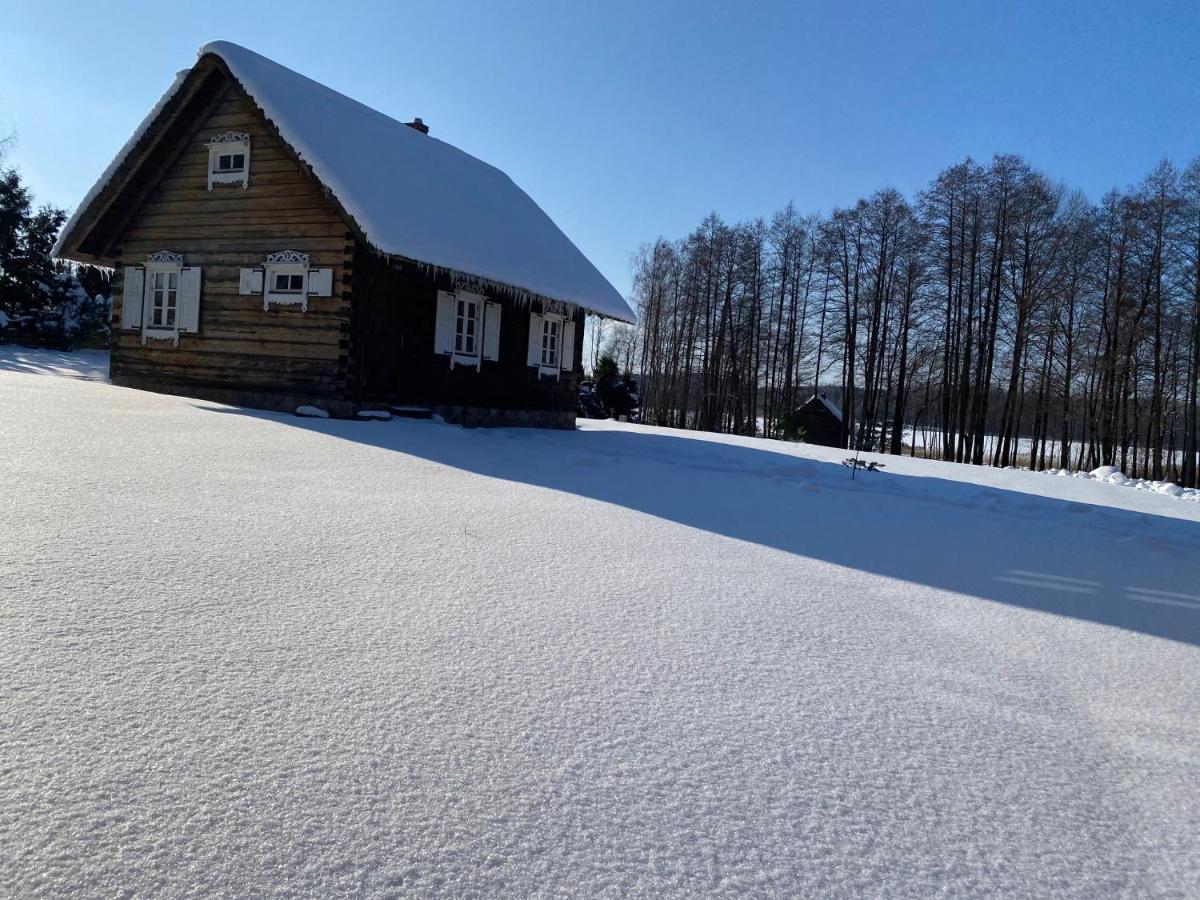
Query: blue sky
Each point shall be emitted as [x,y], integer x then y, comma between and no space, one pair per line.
[630,120]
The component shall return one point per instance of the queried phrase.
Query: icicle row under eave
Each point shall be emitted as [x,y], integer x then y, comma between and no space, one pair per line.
[519,297]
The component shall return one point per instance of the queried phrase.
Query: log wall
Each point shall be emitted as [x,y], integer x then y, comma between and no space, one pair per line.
[272,358]
[397,361]
[369,343]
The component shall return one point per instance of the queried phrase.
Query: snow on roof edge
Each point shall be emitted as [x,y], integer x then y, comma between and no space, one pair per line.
[831,406]
[614,306]
[118,160]
[479,283]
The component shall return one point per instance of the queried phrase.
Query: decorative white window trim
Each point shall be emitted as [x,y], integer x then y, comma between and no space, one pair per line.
[301,282]
[467,340]
[551,348]
[536,346]
[466,347]
[230,145]
[287,256]
[552,335]
[164,264]
[289,264]
[172,290]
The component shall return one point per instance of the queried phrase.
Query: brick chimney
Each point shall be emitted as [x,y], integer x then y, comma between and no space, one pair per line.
[418,125]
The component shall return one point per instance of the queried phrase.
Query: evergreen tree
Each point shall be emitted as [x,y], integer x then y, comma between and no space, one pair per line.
[42,300]
[14,218]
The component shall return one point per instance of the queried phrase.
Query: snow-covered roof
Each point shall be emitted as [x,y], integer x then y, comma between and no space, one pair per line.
[828,404]
[412,195]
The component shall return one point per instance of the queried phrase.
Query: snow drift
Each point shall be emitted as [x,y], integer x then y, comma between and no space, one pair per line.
[255,654]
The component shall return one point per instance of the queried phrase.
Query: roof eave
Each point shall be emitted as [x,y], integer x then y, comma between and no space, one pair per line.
[125,165]
[483,280]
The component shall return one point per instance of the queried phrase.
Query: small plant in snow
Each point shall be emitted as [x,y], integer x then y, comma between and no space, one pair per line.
[865,465]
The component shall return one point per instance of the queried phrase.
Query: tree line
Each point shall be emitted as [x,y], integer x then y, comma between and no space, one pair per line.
[43,300]
[994,318]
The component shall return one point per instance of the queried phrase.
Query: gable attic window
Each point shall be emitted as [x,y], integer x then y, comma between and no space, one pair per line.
[231,162]
[229,159]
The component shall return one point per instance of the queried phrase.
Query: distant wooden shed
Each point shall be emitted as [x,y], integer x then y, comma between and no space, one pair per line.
[820,422]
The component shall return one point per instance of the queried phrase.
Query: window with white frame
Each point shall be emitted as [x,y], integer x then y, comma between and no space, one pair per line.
[229,162]
[466,325]
[229,159]
[164,298]
[551,326]
[287,283]
[163,272]
[286,279]
[552,339]
[466,328]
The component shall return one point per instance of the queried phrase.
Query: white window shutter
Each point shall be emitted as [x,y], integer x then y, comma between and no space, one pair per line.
[133,296]
[535,339]
[566,350]
[491,330]
[443,334]
[320,282]
[189,299]
[250,281]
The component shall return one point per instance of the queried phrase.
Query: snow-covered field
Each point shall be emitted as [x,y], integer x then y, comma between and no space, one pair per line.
[249,654]
[930,444]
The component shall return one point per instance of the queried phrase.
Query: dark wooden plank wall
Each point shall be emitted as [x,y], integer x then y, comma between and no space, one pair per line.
[398,362]
[240,346]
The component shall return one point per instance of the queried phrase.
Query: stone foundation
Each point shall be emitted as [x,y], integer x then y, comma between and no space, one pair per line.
[272,402]
[469,416]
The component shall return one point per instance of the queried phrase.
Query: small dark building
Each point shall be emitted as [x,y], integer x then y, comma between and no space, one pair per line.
[277,244]
[820,422]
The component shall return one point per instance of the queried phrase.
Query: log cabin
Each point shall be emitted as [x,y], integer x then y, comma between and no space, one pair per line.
[277,244]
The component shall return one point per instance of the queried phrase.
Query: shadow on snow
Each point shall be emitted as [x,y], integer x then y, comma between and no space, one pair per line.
[1116,567]
[83,365]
